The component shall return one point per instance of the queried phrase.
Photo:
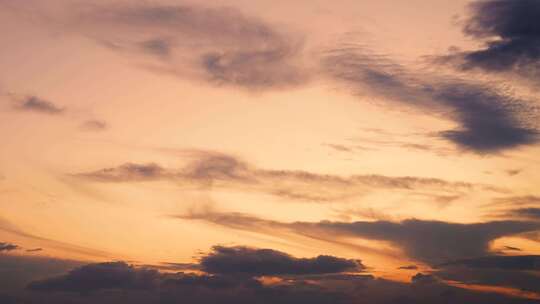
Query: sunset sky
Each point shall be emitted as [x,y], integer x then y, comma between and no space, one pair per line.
[269,151]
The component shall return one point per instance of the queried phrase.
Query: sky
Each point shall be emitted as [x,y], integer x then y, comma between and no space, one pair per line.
[236,151]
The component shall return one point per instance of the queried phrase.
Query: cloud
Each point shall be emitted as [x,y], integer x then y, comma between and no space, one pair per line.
[93,277]
[94,125]
[157,47]
[527,213]
[216,170]
[428,241]
[489,120]
[93,280]
[116,282]
[16,271]
[431,242]
[526,200]
[510,248]
[511,32]
[409,267]
[259,262]
[38,105]
[421,278]
[128,172]
[518,262]
[513,172]
[34,249]
[220,45]
[521,281]
[7,247]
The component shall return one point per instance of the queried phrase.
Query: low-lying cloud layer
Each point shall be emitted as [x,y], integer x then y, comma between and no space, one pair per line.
[114,282]
[519,272]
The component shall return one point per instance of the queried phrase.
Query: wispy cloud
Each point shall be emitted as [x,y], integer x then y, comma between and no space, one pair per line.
[216,170]
[220,45]
[38,105]
[94,125]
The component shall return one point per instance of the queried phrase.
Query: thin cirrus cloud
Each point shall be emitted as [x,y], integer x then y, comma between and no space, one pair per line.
[94,125]
[431,242]
[111,282]
[212,170]
[220,45]
[489,120]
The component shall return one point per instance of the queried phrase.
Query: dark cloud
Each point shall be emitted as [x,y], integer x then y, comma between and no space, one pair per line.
[16,271]
[527,213]
[432,242]
[421,278]
[488,124]
[93,277]
[121,283]
[213,282]
[94,125]
[7,247]
[429,241]
[511,30]
[489,120]
[521,273]
[525,281]
[215,170]
[260,262]
[38,105]
[409,267]
[517,262]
